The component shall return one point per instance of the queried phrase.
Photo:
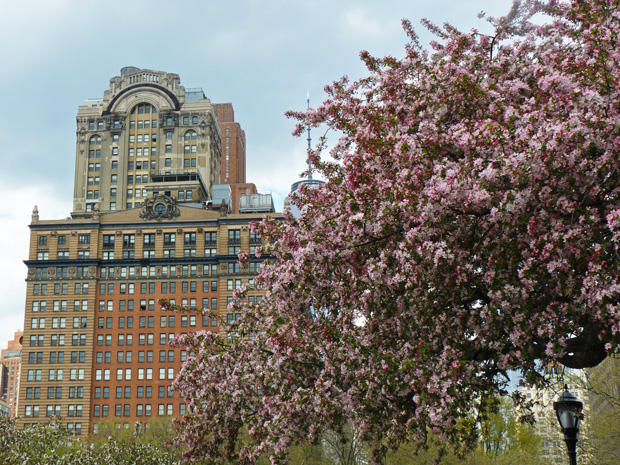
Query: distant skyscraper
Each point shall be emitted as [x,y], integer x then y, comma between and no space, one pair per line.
[233,155]
[233,145]
[10,358]
[309,181]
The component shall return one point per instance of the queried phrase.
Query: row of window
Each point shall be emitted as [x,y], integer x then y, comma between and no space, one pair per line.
[125,392]
[91,206]
[105,357]
[57,340]
[142,151]
[75,392]
[62,239]
[59,306]
[82,322]
[144,272]
[150,304]
[144,108]
[109,240]
[73,410]
[56,374]
[185,120]
[186,270]
[92,125]
[143,124]
[143,139]
[164,287]
[140,165]
[58,322]
[210,237]
[141,410]
[59,271]
[144,178]
[147,322]
[143,356]
[57,357]
[60,288]
[126,374]
[167,253]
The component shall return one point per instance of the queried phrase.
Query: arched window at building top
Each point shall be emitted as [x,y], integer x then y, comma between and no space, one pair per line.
[144,108]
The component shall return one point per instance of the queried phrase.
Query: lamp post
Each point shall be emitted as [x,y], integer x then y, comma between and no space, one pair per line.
[568,409]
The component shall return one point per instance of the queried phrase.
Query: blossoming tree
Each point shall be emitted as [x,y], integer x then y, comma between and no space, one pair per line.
[468,226]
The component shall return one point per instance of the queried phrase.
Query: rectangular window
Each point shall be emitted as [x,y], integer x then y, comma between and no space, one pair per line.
[234,236]
[210,238]
[108,240]
[149,240]
[233,268]
[190,238]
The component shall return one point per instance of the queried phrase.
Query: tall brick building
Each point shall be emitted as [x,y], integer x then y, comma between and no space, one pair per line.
[95,338]
[233,154]
[10,361]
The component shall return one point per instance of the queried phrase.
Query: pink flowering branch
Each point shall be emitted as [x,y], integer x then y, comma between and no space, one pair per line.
[468,226]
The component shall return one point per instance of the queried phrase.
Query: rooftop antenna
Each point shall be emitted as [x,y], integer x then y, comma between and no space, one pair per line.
[309,140]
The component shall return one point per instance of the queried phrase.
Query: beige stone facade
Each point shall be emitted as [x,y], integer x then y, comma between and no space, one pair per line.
[147,134]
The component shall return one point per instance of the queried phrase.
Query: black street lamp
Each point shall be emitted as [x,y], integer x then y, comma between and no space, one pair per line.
[568,409]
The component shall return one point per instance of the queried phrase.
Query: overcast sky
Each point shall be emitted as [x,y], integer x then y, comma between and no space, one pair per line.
[263,56]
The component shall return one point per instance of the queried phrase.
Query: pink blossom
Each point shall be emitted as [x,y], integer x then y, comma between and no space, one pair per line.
[468,226]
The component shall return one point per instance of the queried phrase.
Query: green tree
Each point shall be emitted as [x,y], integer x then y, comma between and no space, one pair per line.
[158,432]
[505,440]
[44,444]
[603,420]
[51,443]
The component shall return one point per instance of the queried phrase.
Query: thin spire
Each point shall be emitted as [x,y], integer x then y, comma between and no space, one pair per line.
[309,138]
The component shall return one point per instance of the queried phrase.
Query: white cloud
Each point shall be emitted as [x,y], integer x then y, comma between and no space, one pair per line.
[364,23]
[15,216]
[27,31]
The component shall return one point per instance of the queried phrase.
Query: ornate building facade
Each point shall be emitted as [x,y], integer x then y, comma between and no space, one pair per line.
[148,134]
[95,338]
